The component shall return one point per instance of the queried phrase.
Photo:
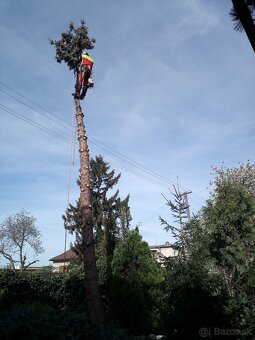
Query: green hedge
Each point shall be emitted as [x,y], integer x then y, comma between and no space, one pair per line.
[32,306]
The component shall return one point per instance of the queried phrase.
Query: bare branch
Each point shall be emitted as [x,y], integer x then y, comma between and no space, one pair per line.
[30,263]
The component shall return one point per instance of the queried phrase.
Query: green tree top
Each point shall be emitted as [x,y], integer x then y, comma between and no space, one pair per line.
[243,176]
[135,292]
[229,219]
[72,43]
[133,261]
[180,232]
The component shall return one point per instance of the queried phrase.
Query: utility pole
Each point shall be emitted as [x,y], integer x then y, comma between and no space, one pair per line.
[185,194]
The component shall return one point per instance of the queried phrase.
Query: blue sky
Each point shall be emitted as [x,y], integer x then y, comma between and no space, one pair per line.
[174,91]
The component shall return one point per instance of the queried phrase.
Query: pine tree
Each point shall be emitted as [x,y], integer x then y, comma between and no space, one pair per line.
[180,230]
[124,217]
[135,293]
[111,215]
[102,181]
[72,43]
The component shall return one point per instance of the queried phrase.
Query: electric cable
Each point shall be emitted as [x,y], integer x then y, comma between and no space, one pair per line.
[35,124]
[98,143]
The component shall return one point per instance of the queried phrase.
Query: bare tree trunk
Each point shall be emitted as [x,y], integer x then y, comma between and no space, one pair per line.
[95,306]
[12,263]
[9,258]
[21,259]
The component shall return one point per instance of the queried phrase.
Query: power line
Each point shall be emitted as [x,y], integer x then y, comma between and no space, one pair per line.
[105,147]
[98,143]
[141,167]
[194,198]
[137,174]
[41,127]
[32,122]
[62,138]
[151,216]
[33,102]
[32,108]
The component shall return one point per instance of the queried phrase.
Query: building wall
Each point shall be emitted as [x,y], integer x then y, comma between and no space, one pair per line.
[58,267]
[160,253]
[165,251]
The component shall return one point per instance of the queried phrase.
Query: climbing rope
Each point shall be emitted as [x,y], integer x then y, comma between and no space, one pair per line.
[71,161]
[74,146]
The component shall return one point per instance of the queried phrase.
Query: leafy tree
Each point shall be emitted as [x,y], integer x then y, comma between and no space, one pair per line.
[214,286]
[18,234]
[194,299]
[135,293]
[243,176]
[229,218]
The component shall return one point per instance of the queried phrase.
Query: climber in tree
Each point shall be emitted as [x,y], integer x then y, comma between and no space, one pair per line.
[69,49]
[83,76]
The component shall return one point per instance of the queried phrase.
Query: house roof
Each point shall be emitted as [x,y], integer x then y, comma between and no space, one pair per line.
[68,255]
[166,245]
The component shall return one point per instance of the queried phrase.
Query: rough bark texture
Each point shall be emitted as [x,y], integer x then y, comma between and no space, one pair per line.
[95,306]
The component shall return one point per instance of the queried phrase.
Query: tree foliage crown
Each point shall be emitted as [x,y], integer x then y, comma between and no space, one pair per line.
[71,45]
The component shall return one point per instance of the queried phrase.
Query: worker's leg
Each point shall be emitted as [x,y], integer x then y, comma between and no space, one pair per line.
[83,93]
[84,84]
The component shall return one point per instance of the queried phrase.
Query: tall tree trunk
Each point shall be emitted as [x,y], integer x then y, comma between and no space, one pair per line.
[94,302]
[246,20]
[21,259]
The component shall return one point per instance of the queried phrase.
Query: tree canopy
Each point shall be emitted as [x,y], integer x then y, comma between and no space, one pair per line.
[72,43]
[111,215]
[212,287]
[135,293]
[242,175]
